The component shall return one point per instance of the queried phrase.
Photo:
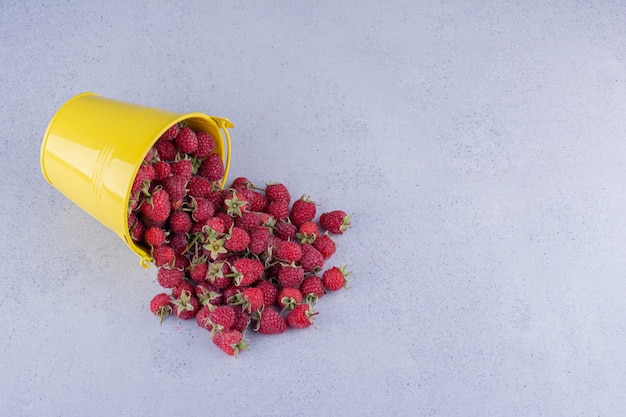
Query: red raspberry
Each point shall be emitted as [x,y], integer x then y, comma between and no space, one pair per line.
[199,187]
[170,133]
[181,288]
[186,141]
[270,291]
[208,294]
[176,188]
[311,259]
[202,316]
[307,232]
[179,222]
[303,210]
[247,221]
[285,230]
[277,192]
[186,305]
[178,242]
[259,238]
[288,251]
[161,306]
[197,270]
[312,288]
[334,278]
[278,209]
[235,203]
[238,240]
[170,278]
[246,271]
[163,255]
[300,317]
[241,182]
[137,231]
[219,275]
[182,167]
[222,318]
[251,299]
[289,297]
[336,221]
[325,245]
[205,145]
[230,342]
[259,202]
[155,236]
[290,275]
[242,320]
[212,168]
[269,321]
[162,170]
[216,198]
[166,149]
[144,175]
[157,206]
[216,224]
[201,209]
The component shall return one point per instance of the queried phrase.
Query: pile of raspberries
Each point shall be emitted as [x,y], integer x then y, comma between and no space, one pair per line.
[235,258]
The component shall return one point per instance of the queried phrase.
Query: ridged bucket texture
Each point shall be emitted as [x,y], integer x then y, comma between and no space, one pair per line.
[94,146]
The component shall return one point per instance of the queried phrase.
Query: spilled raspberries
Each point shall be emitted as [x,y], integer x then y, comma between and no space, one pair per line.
[237,258]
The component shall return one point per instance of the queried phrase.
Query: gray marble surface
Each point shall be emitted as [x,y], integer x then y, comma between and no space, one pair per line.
[480,145]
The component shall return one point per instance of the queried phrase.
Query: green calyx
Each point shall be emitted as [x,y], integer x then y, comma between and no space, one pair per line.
[235,205]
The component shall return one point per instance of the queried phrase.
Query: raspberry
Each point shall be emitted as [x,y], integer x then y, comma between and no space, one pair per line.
[336,221]
[163,255]
[270,291]
[302,211]
[170,278]
[182,167]
[205,145]
[259,238]
[311,259]
[288,251]
[278,209]
[301,316]
[285,230]
[325,245]
[170,133]
[230,342]
[238,240]
[155,236]
[246,271]
[201,209]
[186,141]
[175,186]
[247,221]
[269,321]
[312,288]
[277,192]
[334,278]
[166,150]
[290,275]
[289,297]
[162,170]
[161,306]
[199,187]
[179,222]
[212,168]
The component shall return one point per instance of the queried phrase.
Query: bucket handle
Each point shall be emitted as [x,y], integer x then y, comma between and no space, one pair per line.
[225,124]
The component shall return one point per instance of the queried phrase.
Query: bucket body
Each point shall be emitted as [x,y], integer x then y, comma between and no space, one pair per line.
[94,146]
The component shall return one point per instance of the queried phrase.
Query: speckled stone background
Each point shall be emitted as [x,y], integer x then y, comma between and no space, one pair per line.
[480,145]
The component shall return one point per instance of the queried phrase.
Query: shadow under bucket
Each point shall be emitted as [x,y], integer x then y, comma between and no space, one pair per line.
[94,146]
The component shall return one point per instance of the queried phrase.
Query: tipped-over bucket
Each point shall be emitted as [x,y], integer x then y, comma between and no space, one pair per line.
[94,146]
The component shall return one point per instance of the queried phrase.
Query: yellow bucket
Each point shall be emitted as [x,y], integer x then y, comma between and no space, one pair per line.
[94,146]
